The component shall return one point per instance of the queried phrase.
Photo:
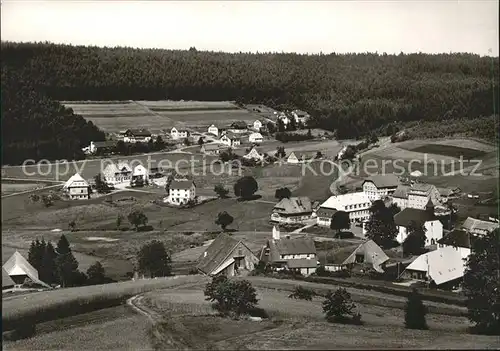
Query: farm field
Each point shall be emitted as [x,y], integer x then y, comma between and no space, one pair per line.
[99,330]
[12,188]
[162,115]
[449,150]
[302,325]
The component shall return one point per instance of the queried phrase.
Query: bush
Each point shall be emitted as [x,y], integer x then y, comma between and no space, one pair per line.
[285,137]
[338,306]
[415,312]
[231,298]
[302,293]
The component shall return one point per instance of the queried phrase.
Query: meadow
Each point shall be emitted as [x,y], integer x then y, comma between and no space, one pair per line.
[159,115]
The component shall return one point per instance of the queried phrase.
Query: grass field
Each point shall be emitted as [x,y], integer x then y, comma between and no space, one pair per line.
[100,330]
[12,188]
[162,115]
[449,150]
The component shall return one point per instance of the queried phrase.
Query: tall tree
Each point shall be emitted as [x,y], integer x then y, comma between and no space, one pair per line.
[245,187]
[340,220]
[137,218]
[221,191]
[415,312]
[481,283]
[282,193]
[381,227]
[67,265]
[414,243]
[224,219]
[36,252]
[48,272]
[154,260]
[96,274]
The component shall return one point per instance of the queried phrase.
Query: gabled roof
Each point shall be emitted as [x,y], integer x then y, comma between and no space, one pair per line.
[473,224]
[256,135]
[18,265]
[301,155]
[401,191]
[339,202]
[293,246]
[231,136]
[181,184]
[294,205]
[76,180]
[325,212]
[372,252]
[124,167]
[383,180]
[421,187]
[217,253]
[457,238]
[7,281]
[446,192]
[443,265]
[409,214]
[139,132]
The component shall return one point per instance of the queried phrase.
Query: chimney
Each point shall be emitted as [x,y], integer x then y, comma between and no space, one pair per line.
[276,233]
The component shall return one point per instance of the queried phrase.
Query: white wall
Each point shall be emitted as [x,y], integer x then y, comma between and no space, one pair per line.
[433,233]
[179,196]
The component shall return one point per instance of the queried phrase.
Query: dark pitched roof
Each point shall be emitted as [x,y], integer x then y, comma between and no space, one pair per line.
[325,212]
[294,205]
[107,143]
[294,246]
[457,238]
[239,125]
[383,180]
[405,217]
[401,191]
[473,224]
[218,250]
[421,187]
[181,184]
[139,132]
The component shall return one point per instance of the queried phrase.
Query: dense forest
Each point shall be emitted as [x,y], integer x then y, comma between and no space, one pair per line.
[353,94]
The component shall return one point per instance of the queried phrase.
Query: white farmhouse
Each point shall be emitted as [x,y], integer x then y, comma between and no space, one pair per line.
[136,136]
[357,205]
[458,239]
[230,140]
[181,191]
[77,188]
[255,138]
[179,133]
[117,173]
[213,130]
[420,194]
[254,154]
[433,227]
[257,125]
[379,186]
[140,173]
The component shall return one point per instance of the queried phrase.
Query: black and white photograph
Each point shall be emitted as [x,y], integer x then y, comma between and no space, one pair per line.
[250,175]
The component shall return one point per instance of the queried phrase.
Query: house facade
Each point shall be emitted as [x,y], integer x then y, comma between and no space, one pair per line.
[179,133]
[420,194]
[181,192]
[254,154]
[227,256]
[300,116]
[238,127]
[117,173]
[257,124]
[379,186]
[459,240]
[140,173]
[213,148]
[357,205]
[96,146]
[479,227]
[213,130]
[293,254]
[230,140]
[77,188]
[136,136]
[292,210]
[256,138]
[426,218]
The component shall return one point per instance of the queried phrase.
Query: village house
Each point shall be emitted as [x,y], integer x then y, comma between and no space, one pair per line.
[257,124]
[136,136]
[77,188]
[140,173]
[300,116]
[458,239]
[99,146]
[479,227]
[230,139]
[284,118]
[255,138]
[227,256]
[298,157]
[254,154]
[426,218]
[179,133]
[117,173]
[416,195]
[368,255]
[442,268]
[298,254]
[324,216]
[379,186]
[213,130]
[181,191]
[19,269]
[446,194]
[292,210]
[238,127]
[213,148]
[357,205]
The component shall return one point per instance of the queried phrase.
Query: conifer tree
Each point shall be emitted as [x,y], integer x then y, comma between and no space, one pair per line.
[415,312]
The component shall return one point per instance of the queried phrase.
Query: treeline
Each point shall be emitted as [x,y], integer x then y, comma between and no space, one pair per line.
[37,127]
[352,93]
